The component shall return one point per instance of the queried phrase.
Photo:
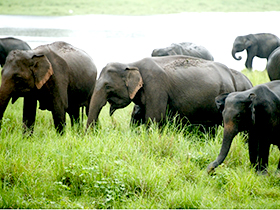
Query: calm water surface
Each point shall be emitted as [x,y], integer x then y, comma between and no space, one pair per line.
[109,38]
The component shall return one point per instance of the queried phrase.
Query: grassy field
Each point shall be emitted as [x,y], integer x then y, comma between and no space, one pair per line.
[123,167]
[132,7]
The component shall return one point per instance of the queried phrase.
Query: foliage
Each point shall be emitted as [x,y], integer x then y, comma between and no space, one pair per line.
[118,166]
[132,7]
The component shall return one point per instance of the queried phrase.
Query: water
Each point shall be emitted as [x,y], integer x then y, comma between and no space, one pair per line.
[108,38]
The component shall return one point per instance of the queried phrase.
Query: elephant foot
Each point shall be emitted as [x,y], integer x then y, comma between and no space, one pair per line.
[263,173]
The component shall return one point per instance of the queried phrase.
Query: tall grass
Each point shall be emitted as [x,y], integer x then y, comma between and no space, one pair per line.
[118,166]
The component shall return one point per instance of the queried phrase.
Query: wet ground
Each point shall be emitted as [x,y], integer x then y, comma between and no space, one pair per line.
[109,38]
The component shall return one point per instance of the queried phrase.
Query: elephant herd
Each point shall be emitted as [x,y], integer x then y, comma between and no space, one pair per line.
[182,80]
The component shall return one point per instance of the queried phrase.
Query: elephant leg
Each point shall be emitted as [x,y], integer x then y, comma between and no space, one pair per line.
[251,52]
[137,116]
[263,156]
[253,151]
[74,115]
[29,113]
[249,62]
[59,120]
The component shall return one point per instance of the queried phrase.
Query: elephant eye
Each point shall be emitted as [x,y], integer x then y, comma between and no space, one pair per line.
[109,88]
[17,77]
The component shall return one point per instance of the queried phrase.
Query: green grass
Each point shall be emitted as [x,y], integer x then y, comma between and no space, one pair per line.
[132,7]
[122,167]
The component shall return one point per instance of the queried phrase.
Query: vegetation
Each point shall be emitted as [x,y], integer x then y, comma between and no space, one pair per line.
[132,7]
[118,166]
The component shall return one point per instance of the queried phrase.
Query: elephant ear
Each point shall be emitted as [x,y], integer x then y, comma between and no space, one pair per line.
[42,70]
[249,40]
[133,81]
[248,43]
[220,101]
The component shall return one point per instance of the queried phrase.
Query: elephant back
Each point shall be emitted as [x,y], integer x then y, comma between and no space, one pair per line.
[273,65]
[184,48]
[191,49]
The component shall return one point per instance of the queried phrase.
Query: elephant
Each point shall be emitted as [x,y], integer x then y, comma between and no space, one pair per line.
[255,111]
[8,44]
[273,65]
[184,48]
[60,76]
[181,85]
[241,82]
[260,45]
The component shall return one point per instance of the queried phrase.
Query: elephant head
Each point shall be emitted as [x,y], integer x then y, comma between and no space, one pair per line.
[241,43]
[238,115]
[23,72]
[118,84]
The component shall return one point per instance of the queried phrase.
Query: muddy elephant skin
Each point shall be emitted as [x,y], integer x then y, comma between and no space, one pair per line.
[256,111]
[181,85]
[240,80]
[58,75]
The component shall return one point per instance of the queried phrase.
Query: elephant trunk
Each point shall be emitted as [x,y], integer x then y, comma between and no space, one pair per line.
[98,100]
[233,52]
[229,133]
[5,96]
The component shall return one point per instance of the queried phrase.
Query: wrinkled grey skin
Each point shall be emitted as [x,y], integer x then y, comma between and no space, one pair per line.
[260,45]
[273,65]
[184,48]
[8,44]
[256,111]
[241,82]
[180,84]
[58,75]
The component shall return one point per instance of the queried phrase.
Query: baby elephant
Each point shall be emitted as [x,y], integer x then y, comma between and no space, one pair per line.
[260,45]
[58,75]
[257,111]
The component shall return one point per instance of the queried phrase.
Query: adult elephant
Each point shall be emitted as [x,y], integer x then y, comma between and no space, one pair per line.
[8,44]
[241,83]
[181,85]
[58,75]
[184,48]
[260,45]
[273,65]
[257,111]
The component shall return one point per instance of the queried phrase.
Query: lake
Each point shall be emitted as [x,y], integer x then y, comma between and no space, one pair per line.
[109,38]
